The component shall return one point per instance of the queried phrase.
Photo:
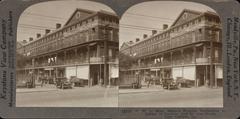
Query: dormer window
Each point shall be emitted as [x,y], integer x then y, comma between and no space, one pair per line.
[199,20]
[93,30]
[78,15]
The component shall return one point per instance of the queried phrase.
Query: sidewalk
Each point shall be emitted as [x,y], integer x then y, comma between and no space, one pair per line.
[45,88]
[141,90]
[51,87]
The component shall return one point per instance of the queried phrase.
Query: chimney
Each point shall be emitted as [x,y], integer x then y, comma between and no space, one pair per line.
[38,35]
[137,39]
[30,39]
[58,26]
[47,31]
[144,36]
[165,26]
[154,32]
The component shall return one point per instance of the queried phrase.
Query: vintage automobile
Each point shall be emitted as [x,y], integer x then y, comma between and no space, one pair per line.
[78,82]
[136,84]
[63,83]
[169,83]
[182,82]
[21,84]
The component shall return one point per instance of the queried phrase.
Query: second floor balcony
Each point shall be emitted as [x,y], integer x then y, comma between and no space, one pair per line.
[79,61]
[198,61]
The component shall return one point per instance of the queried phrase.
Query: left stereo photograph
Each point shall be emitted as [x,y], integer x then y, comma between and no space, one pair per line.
[67,55]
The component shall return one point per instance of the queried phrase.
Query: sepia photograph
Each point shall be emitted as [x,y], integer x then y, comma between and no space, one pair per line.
[67,55]
[121,59]
[170,56]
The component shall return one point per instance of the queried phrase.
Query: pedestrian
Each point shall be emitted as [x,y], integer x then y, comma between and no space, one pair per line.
[42,80]
[149,80]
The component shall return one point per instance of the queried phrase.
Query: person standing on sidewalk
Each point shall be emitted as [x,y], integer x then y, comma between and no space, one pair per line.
[42,80]
[149,79]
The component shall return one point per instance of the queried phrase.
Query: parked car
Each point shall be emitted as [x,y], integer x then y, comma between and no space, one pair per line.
[21,84]
[169,83]
[182,82]
[137,83]
[63,82]
[78,82]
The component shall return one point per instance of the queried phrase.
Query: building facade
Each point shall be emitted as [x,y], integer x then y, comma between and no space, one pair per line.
[85,47]
[191,48]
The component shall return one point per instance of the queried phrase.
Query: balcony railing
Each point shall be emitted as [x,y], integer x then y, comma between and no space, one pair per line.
[177,62]
[202,60]
[64,43]
[78,61]
[96,59]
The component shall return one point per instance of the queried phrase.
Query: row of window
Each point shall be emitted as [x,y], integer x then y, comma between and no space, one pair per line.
[69,29]
[187,38]
[180,28]
[188,57]
[78,38]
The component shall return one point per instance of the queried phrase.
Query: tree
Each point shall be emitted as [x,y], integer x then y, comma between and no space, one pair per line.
[125,61]
[21,60]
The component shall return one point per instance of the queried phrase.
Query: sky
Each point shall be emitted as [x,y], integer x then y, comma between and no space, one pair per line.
[36,18]
[139,19]
[146,16]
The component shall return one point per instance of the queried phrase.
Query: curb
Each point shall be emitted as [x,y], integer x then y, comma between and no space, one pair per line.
[36,91]
[151,91]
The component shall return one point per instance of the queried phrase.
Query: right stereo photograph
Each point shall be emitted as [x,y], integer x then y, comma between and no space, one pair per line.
[170,56]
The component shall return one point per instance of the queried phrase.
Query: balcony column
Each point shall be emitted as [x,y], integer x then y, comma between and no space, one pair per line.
[204,33]
[182,51]
[38,74]
[106,59]
[39,61]
[65,57]
[57,58]
[204,51]
[45,60]
[75,55]
[56,75]
[194,55]
[54,58]
[211,65]
[98,50]
[88,54]
[88,60]
[171,58]
[194,61]
[33,62]
[206,76]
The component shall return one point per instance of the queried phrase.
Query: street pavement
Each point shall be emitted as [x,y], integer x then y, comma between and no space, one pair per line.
[96,96]
[144,89]
[45,88]
[184,97]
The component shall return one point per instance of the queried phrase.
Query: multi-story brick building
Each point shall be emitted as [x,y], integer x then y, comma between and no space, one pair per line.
[85,47]
[190,48]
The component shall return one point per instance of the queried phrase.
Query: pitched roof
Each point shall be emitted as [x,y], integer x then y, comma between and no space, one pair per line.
[191,14]
[90,12]
[79,10]
[126,45]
